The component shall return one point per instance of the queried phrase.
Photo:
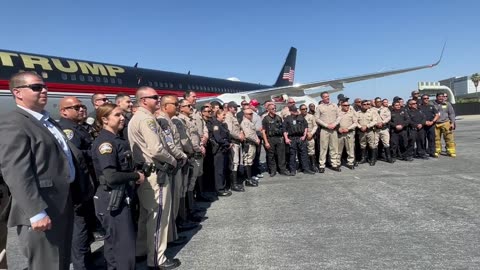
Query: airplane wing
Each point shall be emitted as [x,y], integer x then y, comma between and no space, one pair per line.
[334,85]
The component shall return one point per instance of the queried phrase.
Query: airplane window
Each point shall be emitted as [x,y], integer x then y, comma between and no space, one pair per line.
[119,81]
[150,84]
[189,87]
[73,77]
[44,75]
[98,79]
[105,80]
[171,85]
[112,80]
[155,84]
[64,76]
[90,78]
[81,78]
[180,86]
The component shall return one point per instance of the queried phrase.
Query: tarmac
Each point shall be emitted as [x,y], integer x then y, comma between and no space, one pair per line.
[410,215]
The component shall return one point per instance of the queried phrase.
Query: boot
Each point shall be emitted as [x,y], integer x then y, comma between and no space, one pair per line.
[388,155]
[364,156]
[251,182]
[182,219]
[373,158]
[235,185]
[313,164]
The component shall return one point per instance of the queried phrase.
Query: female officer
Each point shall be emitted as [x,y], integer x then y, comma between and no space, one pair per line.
[112,160]
[219,136]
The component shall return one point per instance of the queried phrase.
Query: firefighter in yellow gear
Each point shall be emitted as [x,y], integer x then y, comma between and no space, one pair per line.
[445,126]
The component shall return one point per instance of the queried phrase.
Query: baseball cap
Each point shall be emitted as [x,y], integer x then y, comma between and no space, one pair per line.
[254,102]
[232,104]
[292,108]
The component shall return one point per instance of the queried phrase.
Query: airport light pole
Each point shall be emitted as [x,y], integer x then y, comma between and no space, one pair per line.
[475,79]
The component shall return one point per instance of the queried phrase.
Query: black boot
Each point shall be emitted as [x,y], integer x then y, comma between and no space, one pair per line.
[373,158]
[364,156]
[388,155]
[235,185]
[250,181]
[313,166]
[183,224]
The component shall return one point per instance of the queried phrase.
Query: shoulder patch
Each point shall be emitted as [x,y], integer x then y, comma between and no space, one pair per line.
[151,124]
[68,133]
[105,148]
[215,128]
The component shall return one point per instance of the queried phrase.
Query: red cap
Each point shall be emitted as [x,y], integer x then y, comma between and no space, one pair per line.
[254,102]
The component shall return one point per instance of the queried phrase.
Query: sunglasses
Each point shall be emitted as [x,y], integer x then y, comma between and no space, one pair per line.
[413,103]
[152,97]
[37,87]
[425,98]
[248,113]
[347,105]
[304,109]
[183,106]
[207,111]
[102,99]
[76,107]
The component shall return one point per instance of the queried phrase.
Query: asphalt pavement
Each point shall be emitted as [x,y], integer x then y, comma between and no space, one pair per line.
[410,215]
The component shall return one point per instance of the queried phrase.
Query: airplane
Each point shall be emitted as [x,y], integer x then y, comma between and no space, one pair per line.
[72,77]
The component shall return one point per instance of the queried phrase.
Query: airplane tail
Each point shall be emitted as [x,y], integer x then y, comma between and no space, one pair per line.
[287,73]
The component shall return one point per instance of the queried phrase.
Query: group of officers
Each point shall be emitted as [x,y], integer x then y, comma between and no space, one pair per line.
[150,160]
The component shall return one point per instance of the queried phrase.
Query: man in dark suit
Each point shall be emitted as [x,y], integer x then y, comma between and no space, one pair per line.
[45,174]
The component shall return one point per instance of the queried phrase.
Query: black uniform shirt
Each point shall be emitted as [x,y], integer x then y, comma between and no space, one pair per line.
[399,117]
[295,125]
[111,151]
[269,122]
[429,111]
[78,135]
[416,117]
[219,132]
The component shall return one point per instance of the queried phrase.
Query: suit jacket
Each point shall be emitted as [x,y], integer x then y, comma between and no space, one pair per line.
[36,169]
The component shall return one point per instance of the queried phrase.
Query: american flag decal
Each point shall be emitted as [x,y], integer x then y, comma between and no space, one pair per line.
[288,74]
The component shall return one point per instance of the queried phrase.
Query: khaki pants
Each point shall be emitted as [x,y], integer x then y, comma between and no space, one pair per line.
[445,129]
[347,141]
[367,137]
[311,147]
[154,220]
[194,173]
[383,135]
[235,153]
[249,155]
[329,141]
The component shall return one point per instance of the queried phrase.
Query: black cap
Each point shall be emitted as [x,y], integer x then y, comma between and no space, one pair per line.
[340,96]
[344,99]
[397,98]
[232,104]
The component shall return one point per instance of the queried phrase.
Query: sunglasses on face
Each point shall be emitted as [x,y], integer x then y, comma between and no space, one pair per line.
[37,87]
[152,97]
[304,109]
[425,98]
[207,111]
[183,106]
[76,107]
[346,105]
[102,99]
[248,113]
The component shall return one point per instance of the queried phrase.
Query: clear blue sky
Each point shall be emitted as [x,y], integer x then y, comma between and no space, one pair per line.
[250,39]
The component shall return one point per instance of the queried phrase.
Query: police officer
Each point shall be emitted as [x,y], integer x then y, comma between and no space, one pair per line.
[257,122]
[272,132]
[220,141]
[431,115]
[382,132]
[149,147]
[445,126]
[237,137]
[295,134]
[312,130]
[398,132]
[327,117]
[98,100]
[366,123]
[346,132]
[113,164]
[84,221]
[168,109]
[417,132]
[249,146]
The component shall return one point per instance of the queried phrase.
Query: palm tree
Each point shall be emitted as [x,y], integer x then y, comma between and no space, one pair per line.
[475,79]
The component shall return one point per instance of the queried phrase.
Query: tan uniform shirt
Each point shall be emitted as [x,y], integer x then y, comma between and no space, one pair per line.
[249,129]
[327,114]
[348,119]
[285,112]
[174,146]
[384,115]
[200,124]
[145,141]
[185,141]
[312,124]
[233,126]
[367,118]
[192,132]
